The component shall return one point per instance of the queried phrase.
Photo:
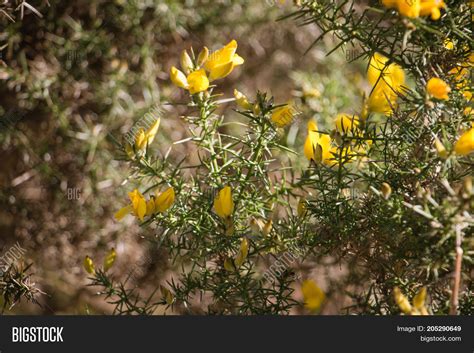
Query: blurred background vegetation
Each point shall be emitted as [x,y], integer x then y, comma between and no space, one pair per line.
[76,75]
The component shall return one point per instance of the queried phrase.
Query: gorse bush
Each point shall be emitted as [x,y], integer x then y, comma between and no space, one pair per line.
[386,194]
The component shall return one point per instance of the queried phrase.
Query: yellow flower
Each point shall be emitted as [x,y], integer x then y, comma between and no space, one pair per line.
[195,82]
[145,138]
[89,265]
[198,81]
[109,259]
[313,295]
[346,123]
[221,62]
[223,203]
[388,80]
[165,200]
[138,206]
[437,88]
[465,144]
[382,99]
[178,78]
[418,307]
[392,73]
[243,253]
[402,301]
[242,100]
[282,116]
[419,299]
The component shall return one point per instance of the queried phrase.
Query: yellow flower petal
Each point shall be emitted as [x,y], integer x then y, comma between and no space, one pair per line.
[178,78]
[123,212]
[198,81]
[165,200]
[223,203]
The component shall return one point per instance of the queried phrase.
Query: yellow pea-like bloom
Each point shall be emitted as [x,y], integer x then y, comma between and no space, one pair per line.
[313,295]
[223,203]
[178,78]
[346,123]
[165,200]
[437,88]
[138,203]
[311,140]
[419,299]
[465,144]
[242,101]
[221,62]
[198,81]
[89,265]
[387,81]
[402,301]
[138,206]
[145,138]
[109,259]
[282,116]
[243,253]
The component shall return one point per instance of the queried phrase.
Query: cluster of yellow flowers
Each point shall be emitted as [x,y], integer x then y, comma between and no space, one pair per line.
[108,262]
[330,149]
[140,207]
[218,64]
[417,307]
[417,8]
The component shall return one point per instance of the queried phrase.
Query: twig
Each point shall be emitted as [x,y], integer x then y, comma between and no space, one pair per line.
[453,310]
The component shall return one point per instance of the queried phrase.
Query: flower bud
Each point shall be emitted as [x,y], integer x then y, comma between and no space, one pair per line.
[242,100]
[109,259]
[386,191]
[203,56]
[89,265]
[440,149]
[186,62]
